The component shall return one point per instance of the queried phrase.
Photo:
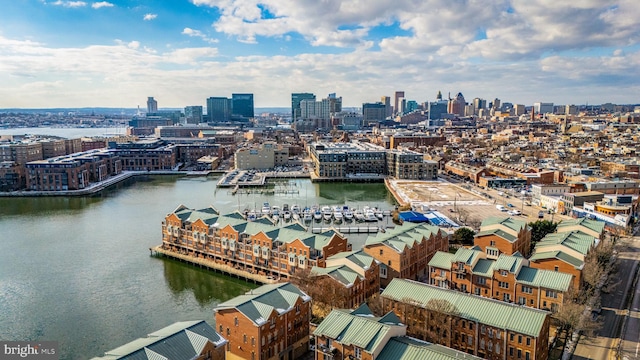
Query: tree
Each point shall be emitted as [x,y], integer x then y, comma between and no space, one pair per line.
[474,222]
[463,236]
[326,292]
[540,229]
[441,312]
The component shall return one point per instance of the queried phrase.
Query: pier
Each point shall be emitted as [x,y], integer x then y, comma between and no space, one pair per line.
[158,251]
[350,229]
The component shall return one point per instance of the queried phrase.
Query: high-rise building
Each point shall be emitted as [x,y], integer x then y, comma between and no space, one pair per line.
[295,103]
[218,109]
[496,104]
[571,110]
[456,105]
[324,109]
[193,114]
[543,108]
[373,113]
[412,105]
[479,104]
[386,100]
[518,109]
[242,106]
[437,108]
[152,105]
[398,106]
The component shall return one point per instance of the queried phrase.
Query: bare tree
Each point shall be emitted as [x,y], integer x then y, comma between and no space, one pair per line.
[440,314]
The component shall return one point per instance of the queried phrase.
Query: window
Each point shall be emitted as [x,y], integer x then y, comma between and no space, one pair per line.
[481,281]
[521,300]
[492,243]
[482,344]
[235,321]
[358,353]
[503,272]
[503,284]
[482,329]
[511,337]
[459,276]
[477,291]
[527,289]
[389,263]
[253,341]
[510,351]
[221,330]
[519,354]
[244,338]
[527,355]
[228,331]
[519,340]
[381,251]
[528,341]
[551,294]
[383,271]
[556,268]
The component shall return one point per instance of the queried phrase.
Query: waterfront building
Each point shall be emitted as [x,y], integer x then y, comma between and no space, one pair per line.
[193,114]
[190,153]
[406,164]
[53,148]
[264,156]
[508,278]
[343,160]
[21,152]
[358,334]
[413,140]
[405,251]
[218,109]
[543,108]
[242,106]
[186,340]
[296,98]
[479,326]
[355,273]
[474,173]
[146,155]
[12,176]
[256,247]
[270,322]
[503,235]
[152,105]
[72,146]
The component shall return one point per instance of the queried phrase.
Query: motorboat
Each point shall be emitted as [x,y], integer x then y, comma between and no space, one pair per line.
[295,216]
[358,215]
[378,213]
[307,217]
[317,215]
[370,216]
[286,215]
[348,215]
[326,213]
[337,216]
[295,208]
[266,209]
[275,210]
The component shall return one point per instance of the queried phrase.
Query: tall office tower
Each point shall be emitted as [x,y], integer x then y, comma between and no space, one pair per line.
[373,113]
[412,105]
[398,101]
[479,104]
[571,110]
[335,103]
[518,109]
[439,96]
[242,105]
[437,108]
[386,100]
[152,105]
[469,110]
[496,104]
[218,109]
[456,105]
[193,114]
[543,108]
[295,103]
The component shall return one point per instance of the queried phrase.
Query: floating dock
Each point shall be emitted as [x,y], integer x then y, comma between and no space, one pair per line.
[350,229]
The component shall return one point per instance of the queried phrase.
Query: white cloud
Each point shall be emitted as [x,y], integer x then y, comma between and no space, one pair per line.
[197,33]
[69,4]
[148,17]
[101,4]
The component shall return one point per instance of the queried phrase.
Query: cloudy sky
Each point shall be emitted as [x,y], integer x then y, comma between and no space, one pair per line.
[60,53]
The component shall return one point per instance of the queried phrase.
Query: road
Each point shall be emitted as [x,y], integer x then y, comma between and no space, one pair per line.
[614,310]
[630,346]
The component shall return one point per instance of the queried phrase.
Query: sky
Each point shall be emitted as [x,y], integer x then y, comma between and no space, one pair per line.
[66,53]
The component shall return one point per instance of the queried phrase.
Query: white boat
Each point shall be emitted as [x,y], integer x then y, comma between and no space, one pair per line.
[275,218]
[317,215]
[307,217]
[275,210]
[295,208]
[370,216]
[266,209]
[287,215]
[348,215]
[337,216]
[295,216]
[251,216]
[378,213]
[326,213]
[358,215]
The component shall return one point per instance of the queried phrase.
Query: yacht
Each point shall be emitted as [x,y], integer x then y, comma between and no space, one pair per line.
[348,215]
[266,209]
[275,210]
[370,216]
[337,216]
[378,213]
[326,213]
[287,215]
[317,215]
[358,215]
[307,217]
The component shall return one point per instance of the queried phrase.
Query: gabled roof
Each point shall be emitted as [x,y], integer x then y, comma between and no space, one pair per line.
[509,263]
[442,260]
[547,279]
[484,267]
[523,320]
[590,224]
[259,304]
[559,255]
[405,235]
[359,258]
[341,273]
[467,256]
[408,348]
[181,340]
[575,240]
[501,233]
[358,328]
[508,222]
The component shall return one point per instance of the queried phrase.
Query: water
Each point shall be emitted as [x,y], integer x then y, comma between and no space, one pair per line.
[78,270]
[69,133]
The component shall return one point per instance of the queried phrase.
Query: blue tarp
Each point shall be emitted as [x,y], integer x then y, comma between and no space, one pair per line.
[412,216]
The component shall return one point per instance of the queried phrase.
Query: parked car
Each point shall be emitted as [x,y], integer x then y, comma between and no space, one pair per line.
[540,214]
[510,205]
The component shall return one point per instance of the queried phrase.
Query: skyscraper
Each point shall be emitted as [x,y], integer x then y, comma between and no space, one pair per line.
[456,105]
[398,102]
[218,109]
[543,108]
[152,105]
[386,100]
[295,103]
[193,114]
[373,113]
[242,106]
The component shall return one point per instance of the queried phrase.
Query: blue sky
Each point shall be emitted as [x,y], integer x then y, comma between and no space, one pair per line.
[76,53]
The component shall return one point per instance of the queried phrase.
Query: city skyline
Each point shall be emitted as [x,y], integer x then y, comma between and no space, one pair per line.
[74,54]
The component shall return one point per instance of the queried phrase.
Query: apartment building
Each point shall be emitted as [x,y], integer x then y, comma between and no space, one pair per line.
[358,334]
[264,156]
[357,274]
[341,160]
[473,173]
[503,235]
[406,164]
[405,251]
[186,340]
[476,325]
[270,322]
[257,247]
[509,278]
[149,155]
[414,140]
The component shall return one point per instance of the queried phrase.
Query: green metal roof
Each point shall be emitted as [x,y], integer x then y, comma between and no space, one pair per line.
[509,263]
[466,256]
[405,235]
[547,279]
[575,240]
[557,254]
[355,328]
[594,225]
[523,320]
[341,273]
[484,267]
[442,260]
[501,233]
[407,348]
[259,304]
[359,258]
[509,222]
